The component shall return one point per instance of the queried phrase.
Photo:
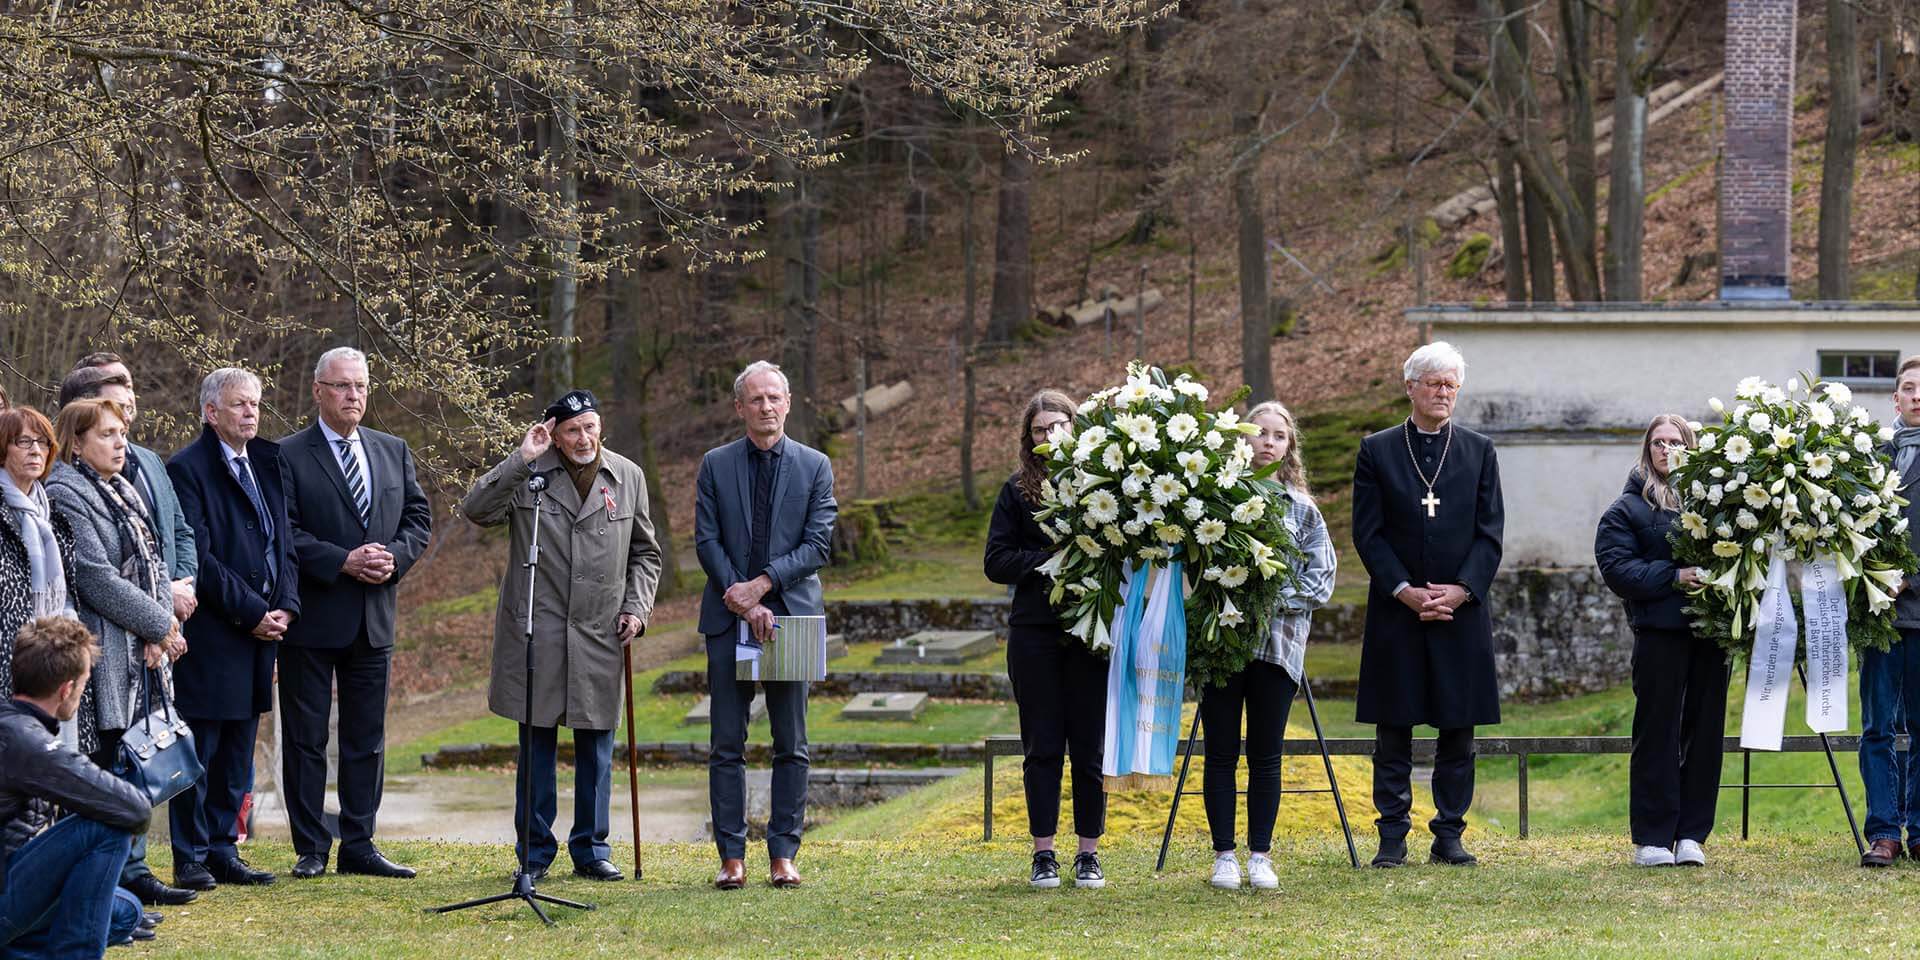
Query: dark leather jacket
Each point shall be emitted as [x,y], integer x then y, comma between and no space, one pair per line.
[38,773]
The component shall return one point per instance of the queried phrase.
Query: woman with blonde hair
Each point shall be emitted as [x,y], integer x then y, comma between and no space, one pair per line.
[1265,688]
[1679,676]
[1059,686]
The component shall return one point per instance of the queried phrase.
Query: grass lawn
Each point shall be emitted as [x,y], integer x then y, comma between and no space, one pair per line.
[1569,896]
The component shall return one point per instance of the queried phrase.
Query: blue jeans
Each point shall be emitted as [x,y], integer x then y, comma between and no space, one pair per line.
[59,896]
[592,792]
[1889,700]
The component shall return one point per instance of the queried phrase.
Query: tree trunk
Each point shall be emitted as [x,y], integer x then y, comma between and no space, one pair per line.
[920,168]
[1627,186]
[1576,87]
[634,367]
[799,244]
[1843,138]
[968,491]
[1154,123]
[1012,304]
[566,279]
[1511,72]
[1506,196]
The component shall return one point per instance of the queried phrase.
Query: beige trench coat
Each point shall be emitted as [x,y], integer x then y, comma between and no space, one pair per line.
[598,560]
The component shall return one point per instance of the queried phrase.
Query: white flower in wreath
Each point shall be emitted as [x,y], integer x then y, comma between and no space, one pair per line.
[1249,510]
[1230,615]
[1839,393]
[1828,530]
[1089,546]
[1227,420]
[1228,477]
[1885,434]
[1094,437]
[1717,406]
[1820,414]
[1694,524]
[1063,526]
[1760,422]
[1745,520]
[1213,440]
[1134,485]
[1182,427]
[1717,472]
[1801,532]
[1136,391]
[1725,548]
[1789,470]
[1793,384]
[1147,444]
[1113,535]
[1148,513]
[1170,533]
[1102,506]
[1708,441]
[1192,462]
[1723,531]
[1233,576]
[1193,509]
[1739,448]
[1133,527]
[1782,437]
[1756,497]
[1867,519]
[1166,490]
[1715,494]
[1151,553]
[1861,501]
[1187,385]
[1243,451]
[1877,472]
[1860,416]
[1820,466]
[1748,388]
[1773,396]
[1113,458]
[1209,531]
[1211,573]
[1697,489]
[1844,456]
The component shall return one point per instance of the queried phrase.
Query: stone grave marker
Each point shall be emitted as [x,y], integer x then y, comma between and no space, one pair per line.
[702,713]
[884,706]
[939,646]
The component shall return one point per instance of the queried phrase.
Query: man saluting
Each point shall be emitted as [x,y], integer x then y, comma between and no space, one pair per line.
[1427,523]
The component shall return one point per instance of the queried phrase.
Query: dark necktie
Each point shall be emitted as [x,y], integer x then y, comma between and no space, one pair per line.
[356,484]
[245,475]
[764,466]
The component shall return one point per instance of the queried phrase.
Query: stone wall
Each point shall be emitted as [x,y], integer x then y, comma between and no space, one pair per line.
[869,621]
[1558,633]
[941,685]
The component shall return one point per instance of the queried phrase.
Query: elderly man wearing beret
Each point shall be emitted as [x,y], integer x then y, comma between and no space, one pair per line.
[599,566]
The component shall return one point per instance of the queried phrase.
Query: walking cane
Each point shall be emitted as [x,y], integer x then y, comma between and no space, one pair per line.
[633,765]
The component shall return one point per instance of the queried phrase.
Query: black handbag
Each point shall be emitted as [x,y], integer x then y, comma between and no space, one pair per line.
[156,753]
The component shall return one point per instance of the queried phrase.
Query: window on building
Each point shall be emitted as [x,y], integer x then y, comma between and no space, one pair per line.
[1869,367]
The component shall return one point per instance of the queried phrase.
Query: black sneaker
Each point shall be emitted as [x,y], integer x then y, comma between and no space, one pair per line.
[1086,871]
[1046,870]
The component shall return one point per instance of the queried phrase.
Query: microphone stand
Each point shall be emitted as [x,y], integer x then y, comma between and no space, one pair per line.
[523,888]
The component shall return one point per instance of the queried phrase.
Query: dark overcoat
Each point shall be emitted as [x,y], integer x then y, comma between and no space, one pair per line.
[1439,673]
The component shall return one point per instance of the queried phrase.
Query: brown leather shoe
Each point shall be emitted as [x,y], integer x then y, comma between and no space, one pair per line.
[1881,853]
[783,873]
[732,875]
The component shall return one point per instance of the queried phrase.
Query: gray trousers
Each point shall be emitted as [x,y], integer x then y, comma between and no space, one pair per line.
[726,758]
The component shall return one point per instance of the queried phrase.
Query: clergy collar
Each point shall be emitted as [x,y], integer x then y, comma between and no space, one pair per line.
[1429,433]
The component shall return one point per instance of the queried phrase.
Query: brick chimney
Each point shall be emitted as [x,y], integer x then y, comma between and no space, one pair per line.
[1756,180]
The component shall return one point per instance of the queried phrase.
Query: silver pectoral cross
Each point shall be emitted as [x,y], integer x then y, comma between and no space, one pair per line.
[1430,502]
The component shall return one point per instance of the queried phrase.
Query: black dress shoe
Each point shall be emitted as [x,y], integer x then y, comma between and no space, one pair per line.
[149,919]
[309,865]
[1448,850]
[142,933]
[598,870]
[153,893]
[374,865]
[239,872]
[536,872]
[192,876]
[1393,853]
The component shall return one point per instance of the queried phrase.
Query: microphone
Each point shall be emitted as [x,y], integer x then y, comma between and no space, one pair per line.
[536,483]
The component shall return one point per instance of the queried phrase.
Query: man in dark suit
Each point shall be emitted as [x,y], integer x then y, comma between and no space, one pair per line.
[232,488]
[1427,522]
[763,517]
[359,523]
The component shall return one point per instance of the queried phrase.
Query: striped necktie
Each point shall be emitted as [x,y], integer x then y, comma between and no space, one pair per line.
[356,480]
[242,473]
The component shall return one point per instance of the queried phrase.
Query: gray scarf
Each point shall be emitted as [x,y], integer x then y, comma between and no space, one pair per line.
[1906,445]
[47,572]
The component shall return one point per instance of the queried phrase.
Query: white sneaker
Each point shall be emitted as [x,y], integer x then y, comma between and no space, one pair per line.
[1260,873]
[1226,871]
[1689,854]
[1652,857]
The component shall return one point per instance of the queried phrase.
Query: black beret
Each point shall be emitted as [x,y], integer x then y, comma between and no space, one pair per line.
[575,403]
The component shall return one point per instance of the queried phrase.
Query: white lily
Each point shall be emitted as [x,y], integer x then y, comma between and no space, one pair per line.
[1052,567]
[1876,599]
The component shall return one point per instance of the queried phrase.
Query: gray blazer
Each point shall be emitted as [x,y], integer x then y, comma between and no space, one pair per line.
[169,521]
[803,515]
[121,614]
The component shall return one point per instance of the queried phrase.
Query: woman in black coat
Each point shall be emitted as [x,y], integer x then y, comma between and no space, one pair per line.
[1059,685]
[1679,677]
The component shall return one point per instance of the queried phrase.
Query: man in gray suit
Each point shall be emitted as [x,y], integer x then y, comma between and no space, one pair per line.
[763,516]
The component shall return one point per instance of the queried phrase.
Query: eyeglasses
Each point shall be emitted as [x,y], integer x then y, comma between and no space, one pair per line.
[1440,386]
[1670,444]
[29,443]
[347,386]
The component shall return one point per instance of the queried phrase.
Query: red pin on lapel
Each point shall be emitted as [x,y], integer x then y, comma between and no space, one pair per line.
[609,495]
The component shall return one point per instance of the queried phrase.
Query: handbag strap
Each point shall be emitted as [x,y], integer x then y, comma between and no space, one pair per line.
[146,692]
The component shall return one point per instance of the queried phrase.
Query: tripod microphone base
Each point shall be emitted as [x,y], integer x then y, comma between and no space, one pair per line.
[523,889]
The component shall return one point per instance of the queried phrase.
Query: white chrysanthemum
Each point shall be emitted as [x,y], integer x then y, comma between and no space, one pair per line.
[1113,458]
[1862,442]
[1102,506]
[1213,440]
[1760,422]
[1819,466]
[1694,524]
[1209,532]
[1773,396]
[1725,548]
[1800,531]
[1134,527]
[1250,510]
[1088,405]
[1182,427]
[1233,576]
[1861,501]
[1191,388]
[1745,520]
[1748,388]
[1697,489]
[1193,509]
[1715,494]
[1723,531]
[1133,485]
[1192,462]
[1243,452]
[1709,441]
[1093,436]
[1166,490]
[1739,448]
[1885,434]
[1113,535]
[1756,497]
[1717,406]
[1821,414]
[1843,457]
[1147,444]
[1839,393]
[1089,546]
[1860,416]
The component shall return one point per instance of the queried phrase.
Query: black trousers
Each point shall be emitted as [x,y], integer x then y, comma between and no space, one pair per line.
[204,820]
[726,757]
[1393,781]
[307,679]
[1679,720]
[1060,688]
[1267,693]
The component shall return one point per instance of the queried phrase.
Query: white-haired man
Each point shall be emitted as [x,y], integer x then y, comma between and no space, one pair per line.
[1427,521]
[763,517]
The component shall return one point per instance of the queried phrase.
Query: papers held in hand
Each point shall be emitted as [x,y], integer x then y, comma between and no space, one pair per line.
[798,651]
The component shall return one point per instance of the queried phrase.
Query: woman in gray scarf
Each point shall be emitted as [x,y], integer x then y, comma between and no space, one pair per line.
[33,556]
[120,587]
